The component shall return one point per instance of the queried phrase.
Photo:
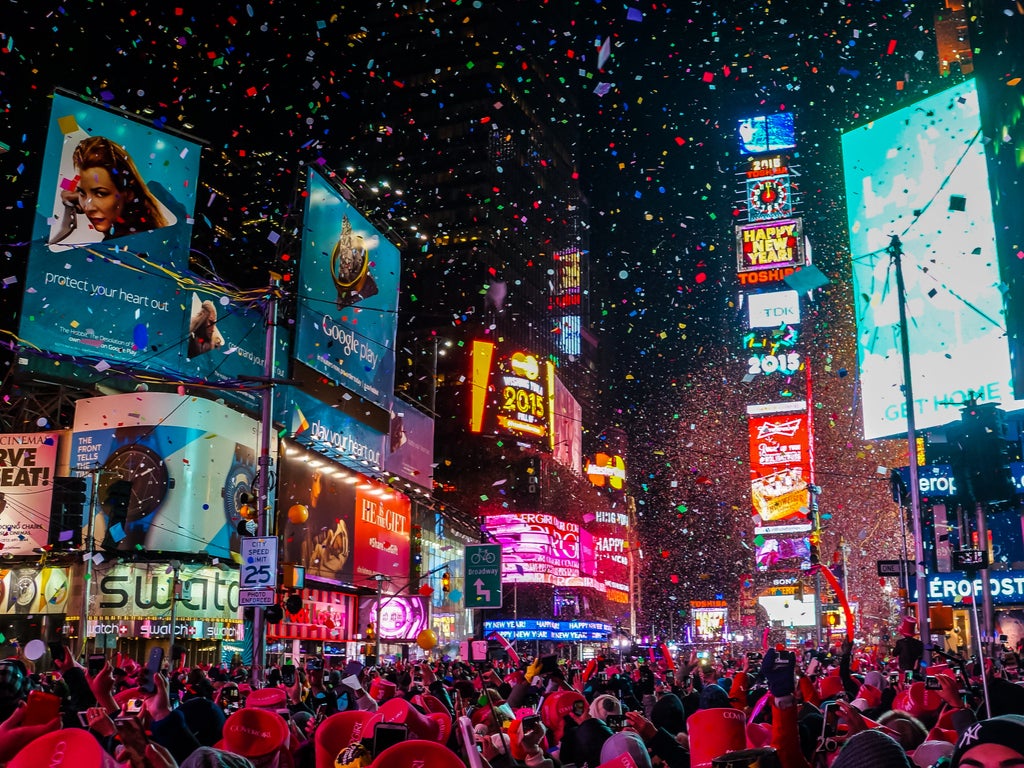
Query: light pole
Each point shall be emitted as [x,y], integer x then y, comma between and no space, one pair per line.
[895,250]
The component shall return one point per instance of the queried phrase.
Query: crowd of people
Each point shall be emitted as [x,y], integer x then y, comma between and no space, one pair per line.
[784,707]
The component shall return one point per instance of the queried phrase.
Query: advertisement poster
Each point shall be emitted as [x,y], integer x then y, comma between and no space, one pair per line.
[779,467]
[355,527]
[143,591]
[411,445]
[710,619]
[33,590]
[402,617]
[348,295]
[27,466]
[922,172]
[537,548]
[324,616]
[566,428]
[174,470]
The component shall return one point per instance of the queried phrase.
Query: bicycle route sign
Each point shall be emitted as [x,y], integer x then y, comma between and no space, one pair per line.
[483,576]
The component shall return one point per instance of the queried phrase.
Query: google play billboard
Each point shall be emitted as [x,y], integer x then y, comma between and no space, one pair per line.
[920,173]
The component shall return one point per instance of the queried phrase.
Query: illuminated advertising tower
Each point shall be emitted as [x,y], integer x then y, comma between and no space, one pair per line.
[770,250]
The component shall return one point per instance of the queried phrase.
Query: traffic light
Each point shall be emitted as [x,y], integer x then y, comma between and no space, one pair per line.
[66,511]
[116,501]
[982,464]
[446,582]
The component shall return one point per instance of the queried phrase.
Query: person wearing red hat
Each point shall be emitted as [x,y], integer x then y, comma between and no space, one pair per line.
[909,650]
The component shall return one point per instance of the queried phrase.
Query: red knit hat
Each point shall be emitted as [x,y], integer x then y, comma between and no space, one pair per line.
[829,686]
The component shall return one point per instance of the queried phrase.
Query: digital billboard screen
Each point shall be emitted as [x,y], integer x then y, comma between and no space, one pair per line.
[187,464]
[355,527]
[766,133]
[107,277]
[402,617]
[348,295]
[537,548]
[920,173]
[780,465]
[769,245]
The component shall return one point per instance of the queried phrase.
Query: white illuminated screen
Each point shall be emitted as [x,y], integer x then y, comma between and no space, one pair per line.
[920,173]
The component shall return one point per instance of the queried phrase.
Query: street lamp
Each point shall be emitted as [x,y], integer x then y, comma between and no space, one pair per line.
[620,642]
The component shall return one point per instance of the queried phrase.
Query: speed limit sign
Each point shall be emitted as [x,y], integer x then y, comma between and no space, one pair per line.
[259,562]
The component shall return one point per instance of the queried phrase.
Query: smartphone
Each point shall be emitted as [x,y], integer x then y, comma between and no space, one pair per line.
[147,680]
[288,675]
[387,735]
[530,721]
[96,663]
[42,708]
[615,722]
[908,676]
[830,720]
[894,678]
[57,651]
[352,681]
[83,718]
[931,683]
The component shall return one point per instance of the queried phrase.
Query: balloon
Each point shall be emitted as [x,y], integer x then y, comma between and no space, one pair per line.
[298,514]
[34,650]
[426,639]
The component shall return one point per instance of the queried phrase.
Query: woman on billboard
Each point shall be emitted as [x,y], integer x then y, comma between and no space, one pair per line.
[110,192]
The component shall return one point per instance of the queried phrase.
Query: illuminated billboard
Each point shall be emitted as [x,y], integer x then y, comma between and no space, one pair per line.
[766,133]
[324,616]
[710,619]
[185,465]
[777,554]
[354,527]
[402,617]
[767,245]
[769,310]
[348,295]
[566,431]
[108,278]
[27,467]
[920,173]
[511,393]
[780,465]
[411,445]
[538,548]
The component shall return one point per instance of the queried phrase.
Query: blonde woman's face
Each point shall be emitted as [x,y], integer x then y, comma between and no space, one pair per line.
[100,199]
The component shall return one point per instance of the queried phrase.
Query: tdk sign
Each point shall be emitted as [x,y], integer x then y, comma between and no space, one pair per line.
[770,310]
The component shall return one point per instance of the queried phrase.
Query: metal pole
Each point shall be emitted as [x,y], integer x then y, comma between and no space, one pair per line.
[83,619]
[981,650]
[896,253]
[174,615]
[988,611]
[259,622]
[376,628]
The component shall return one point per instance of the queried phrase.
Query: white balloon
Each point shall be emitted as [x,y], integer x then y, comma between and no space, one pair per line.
[34,649]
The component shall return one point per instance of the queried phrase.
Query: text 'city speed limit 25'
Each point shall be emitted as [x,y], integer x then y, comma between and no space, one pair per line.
[259,562]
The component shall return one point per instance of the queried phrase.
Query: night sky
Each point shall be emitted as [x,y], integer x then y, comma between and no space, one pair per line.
[268,84]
